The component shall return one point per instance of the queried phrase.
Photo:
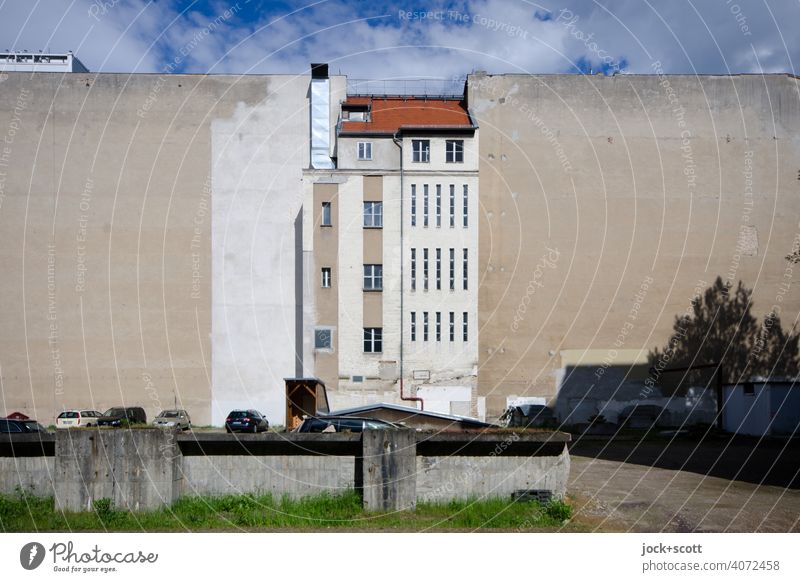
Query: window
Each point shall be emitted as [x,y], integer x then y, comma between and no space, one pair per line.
[373,277]
[438,326]
[454,151]
[326,277]
[749,389]
[413,205]
[438,269]
[424,326]
[373,214]
[466,326]
[323,338]
[373,340]
[438,205]
[452,206]
[365,150]
[452,326]
[413,326]
[425,269]
[465,270]
[452,269]
[413,269]
[421,149]
[326,214]
[425,205]
[466,206]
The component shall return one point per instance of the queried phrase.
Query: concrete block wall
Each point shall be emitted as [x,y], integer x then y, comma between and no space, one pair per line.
[30,474]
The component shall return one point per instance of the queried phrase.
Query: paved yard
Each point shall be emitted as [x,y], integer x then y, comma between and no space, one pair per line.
[611,494]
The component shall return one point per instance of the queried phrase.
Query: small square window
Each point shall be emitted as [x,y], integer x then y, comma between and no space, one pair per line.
[421,150]
[373,340]
[365,150]
[373,214]
[325,219]
[323,338]
[326,277]
[454,151]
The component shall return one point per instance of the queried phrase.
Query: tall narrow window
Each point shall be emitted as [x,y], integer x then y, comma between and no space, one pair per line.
[373,277]
[326,277]
[466,206]
[452,269]
[465,270]
[413,326]
[466,326]
[325,219]
[413,269]
[413,205]
[425,205]
[438,326]
[438,205]
[425,269]
[424,326]
[365,150]
[373,340]
[373,214]
[452,206]
[452,326]
[421,150]
[454,151]
[438,269]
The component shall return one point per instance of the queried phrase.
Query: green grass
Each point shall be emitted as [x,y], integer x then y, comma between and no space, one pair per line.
[24,513]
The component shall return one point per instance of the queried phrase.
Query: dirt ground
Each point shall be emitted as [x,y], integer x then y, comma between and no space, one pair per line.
[685,486]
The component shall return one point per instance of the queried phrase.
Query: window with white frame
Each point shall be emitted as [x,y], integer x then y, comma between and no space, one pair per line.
[325,218]
[424,326]
[421,150]
[373,277]
[425,269]
[425,205]
[438,269]
[466,206]
[454,151]
[438,326]
[452,269]
[373,214]
[413,326]
[413,205]
[452,205]
[326,277]
[413,269]
[323,338]
[438,205]
[365,150]
[465,269]
[373,340]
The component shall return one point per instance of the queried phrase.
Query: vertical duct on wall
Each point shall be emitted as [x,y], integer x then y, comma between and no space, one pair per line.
[320,117]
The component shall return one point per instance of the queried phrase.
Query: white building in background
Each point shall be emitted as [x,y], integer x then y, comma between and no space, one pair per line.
[391,249]
[40,62]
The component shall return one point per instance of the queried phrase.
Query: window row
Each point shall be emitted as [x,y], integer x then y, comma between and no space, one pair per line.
[372,216]
[420,151]
[438,269]
[437,326]
[437,205]
[373,339]
[373,278]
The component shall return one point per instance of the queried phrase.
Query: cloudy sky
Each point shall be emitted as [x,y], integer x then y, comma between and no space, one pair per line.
[373,40]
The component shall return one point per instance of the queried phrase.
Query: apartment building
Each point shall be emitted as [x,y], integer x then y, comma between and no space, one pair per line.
[393,233]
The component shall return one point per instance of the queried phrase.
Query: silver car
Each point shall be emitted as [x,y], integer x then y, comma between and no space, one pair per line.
[173,419]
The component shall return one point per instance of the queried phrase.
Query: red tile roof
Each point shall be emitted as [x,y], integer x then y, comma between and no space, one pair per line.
[392,113]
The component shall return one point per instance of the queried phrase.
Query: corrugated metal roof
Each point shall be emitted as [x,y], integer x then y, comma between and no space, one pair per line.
[408,410]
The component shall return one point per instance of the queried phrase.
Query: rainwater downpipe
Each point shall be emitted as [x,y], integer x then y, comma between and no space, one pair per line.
[399,143]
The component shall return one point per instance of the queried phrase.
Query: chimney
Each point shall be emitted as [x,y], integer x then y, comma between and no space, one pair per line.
[320,117]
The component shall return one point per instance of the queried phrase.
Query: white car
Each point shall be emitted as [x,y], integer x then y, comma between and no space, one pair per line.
[77,418]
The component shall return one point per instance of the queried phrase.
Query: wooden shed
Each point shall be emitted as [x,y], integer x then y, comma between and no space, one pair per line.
[304,397]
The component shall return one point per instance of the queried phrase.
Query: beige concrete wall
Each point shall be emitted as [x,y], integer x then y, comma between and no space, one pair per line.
[592,186]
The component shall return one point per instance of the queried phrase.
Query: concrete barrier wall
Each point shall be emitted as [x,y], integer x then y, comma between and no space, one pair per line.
[295,476]
[30,474]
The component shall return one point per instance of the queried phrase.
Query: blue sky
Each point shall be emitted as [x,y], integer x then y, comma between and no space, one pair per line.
[375,40]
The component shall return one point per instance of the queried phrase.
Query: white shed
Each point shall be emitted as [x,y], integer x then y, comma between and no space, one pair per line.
[762,408]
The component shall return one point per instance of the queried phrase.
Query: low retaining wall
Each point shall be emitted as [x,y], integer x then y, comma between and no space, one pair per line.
[148,468]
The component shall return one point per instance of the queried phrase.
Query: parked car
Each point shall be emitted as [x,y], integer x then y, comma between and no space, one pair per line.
[342,424]
[120,416]
[9,426]
[529,415]
[77,418]
[643,416]
[246,421]
[173,419]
